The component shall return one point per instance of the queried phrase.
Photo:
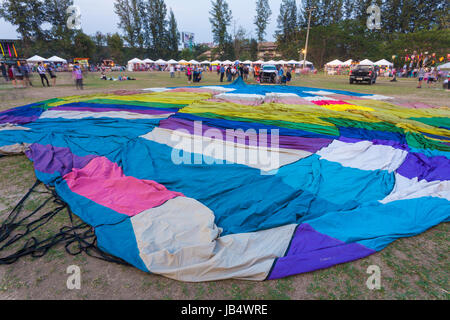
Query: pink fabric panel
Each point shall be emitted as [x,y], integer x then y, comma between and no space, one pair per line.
[103,182]
[328,102]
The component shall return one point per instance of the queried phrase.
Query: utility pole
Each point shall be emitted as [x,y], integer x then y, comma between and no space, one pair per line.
[310,10]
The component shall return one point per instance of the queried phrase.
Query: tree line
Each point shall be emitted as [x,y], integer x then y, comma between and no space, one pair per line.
[339,29]
[148,28]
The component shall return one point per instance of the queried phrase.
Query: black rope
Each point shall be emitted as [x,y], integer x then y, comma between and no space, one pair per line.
[77,238]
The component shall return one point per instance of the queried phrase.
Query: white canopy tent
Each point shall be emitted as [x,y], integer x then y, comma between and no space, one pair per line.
[335,63]
[445,66]
[308,63]
[258,62]
[384,63]
[227,62]
[57,59]
[216,62]
[182,61]
[205,62]
[293,62]
[36,59]
[282,62]
[194,62]
[270,62]
[348,63]
[366,62]
[171,61]
[148,61]
[247,62]
[161,61]
[133,62]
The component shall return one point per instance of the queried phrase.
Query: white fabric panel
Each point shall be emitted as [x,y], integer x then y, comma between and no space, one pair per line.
[320,92]
[413,188]
[218,89]
[179,240]
[364,155]
[156,89]
[18,148]
[9,126]
[265,159]
[376,97]
[254,98]
[53,114]
[276,97]
[319,98]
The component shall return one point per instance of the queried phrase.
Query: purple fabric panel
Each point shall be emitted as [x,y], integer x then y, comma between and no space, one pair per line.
[391,143]
[311,250]
[17,119]
[289,142]
[50,159]
[425,168]
[152,112]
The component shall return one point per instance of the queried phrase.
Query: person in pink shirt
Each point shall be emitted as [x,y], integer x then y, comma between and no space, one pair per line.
[77,75]
[189,73]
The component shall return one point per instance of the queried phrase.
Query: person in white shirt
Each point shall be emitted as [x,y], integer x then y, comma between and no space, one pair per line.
[172,71]
[41,70]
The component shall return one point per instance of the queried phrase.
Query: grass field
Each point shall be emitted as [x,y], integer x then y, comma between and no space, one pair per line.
[413,268]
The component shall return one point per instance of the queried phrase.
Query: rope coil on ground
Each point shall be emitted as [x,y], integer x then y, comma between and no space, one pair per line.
[77,238]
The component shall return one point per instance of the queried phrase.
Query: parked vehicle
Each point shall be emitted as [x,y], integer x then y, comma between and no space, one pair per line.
[363,74]
[268,74]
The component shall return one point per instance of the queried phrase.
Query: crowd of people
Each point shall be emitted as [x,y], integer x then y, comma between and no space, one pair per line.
[19,74]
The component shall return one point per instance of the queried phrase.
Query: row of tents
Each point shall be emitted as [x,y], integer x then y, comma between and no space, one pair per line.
[54,59]
[365,62]
[216,62]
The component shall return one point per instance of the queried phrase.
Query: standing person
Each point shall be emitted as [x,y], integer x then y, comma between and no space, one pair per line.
[77,75]
[280,74]
[189,73]
[3,68]
[25,69]
[41,71]
[17,75]
[229,75]
[11,76]
[172,71]
[222,72]
[288,76]
[51,73]
[421,75]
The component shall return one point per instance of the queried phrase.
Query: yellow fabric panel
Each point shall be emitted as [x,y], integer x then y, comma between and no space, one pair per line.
[162,97]
[345,107]
[311,114]
[402,112]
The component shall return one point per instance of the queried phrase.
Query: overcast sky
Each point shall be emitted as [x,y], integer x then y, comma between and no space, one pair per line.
[191,15]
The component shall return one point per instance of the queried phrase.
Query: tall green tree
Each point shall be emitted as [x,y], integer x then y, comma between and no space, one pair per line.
[220,19]
[155,23]
[262,18]
[83,47]
[173,36]
[129,12]
[116,46]
[28,16]
[287,21]
[60,36]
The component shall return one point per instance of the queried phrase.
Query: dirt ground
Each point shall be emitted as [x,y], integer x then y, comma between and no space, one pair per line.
[412,268]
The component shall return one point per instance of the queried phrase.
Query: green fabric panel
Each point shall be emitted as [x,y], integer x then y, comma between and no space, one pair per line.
[326,130]
[379,126]
[435,122]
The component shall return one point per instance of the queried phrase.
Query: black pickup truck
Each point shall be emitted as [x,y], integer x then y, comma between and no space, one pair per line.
[363,74]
